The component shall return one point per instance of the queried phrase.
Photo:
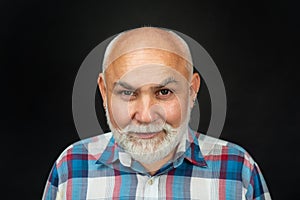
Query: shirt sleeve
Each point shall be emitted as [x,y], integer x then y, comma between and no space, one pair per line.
[51,188]
[257,187]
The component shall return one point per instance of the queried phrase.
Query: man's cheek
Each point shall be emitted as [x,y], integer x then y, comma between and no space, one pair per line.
[119,114]
[174,113]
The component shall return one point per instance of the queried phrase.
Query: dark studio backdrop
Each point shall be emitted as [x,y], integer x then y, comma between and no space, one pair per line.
[43,44]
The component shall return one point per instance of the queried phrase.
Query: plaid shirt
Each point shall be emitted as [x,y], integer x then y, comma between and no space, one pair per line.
[92,169]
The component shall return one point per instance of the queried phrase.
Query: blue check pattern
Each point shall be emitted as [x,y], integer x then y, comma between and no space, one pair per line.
[208,169]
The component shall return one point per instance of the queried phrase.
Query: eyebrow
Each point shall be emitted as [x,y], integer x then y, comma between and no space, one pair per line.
[124,85]
[165,82]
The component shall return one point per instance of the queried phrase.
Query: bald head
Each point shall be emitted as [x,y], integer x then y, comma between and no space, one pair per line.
[146,38]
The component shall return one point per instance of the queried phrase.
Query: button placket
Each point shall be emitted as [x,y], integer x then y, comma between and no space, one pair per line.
[151,188]
[150,181]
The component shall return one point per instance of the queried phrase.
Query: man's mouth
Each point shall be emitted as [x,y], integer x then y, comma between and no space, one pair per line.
[146,135]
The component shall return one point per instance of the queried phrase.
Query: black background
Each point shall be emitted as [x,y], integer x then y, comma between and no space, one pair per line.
[43,44]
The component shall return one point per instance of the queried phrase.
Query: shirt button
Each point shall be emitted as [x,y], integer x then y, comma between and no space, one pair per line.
[150,182]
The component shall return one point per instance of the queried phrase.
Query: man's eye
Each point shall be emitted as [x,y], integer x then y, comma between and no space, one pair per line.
[164,93]
[127,93]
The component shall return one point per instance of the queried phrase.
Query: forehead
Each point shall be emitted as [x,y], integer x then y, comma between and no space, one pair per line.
[150,64]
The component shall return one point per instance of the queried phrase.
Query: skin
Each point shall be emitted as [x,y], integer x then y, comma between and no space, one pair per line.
[144,69]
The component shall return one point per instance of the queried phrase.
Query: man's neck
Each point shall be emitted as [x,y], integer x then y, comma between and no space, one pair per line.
[152,168]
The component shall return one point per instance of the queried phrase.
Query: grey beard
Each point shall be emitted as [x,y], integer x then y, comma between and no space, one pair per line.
[149,150]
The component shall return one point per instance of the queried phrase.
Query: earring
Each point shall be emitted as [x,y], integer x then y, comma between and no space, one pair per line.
[194,100]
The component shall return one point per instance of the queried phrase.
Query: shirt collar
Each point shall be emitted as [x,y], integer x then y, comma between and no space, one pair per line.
[193,153]
[190,152]
[110,153]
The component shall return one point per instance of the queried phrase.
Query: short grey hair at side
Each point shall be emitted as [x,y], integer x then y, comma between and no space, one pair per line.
[108,50]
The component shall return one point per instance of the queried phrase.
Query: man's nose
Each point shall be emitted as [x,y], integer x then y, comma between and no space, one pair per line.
[146,110]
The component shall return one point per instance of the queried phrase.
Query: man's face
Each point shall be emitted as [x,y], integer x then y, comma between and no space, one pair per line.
[147,90]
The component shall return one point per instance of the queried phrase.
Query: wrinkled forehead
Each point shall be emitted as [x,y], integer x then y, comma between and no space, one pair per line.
[150,75]
[167,53]
[148,66]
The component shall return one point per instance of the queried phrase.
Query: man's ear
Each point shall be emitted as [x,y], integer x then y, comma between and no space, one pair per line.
[102,87]
[194,88]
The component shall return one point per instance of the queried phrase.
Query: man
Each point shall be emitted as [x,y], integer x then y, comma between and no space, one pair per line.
[148,89]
